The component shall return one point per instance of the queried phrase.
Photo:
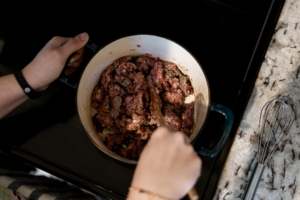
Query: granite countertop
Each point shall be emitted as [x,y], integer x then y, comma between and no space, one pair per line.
[279,75]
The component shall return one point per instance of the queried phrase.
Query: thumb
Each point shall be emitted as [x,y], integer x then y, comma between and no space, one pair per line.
[75,44]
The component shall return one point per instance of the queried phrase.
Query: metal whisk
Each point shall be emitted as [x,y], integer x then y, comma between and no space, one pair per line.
[276,118]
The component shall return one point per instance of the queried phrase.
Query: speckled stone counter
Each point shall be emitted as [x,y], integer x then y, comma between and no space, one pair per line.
[279,75]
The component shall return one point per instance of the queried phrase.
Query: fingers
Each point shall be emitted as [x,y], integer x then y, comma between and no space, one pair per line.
[74,62]
[76,59]
[163,131]
[58,41]
[169,128]
[74,44]
[70,70]
[187,139]
[77,56]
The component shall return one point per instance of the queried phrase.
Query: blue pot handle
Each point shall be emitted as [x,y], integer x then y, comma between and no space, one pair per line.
[227,113]
[68,80]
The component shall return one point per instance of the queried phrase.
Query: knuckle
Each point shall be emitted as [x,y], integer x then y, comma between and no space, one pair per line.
[190,149]
[187,139]
[160,132]
[55,39]
[75,42]
[163,129]
[178,137]
[199,166]
[200,161]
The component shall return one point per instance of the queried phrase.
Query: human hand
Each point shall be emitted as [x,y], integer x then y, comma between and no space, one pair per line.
[50,61]
[168,165]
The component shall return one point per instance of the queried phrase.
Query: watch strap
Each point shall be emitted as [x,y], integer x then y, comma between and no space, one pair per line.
[24,85]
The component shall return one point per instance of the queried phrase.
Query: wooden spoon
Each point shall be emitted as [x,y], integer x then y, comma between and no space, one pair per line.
[156,111]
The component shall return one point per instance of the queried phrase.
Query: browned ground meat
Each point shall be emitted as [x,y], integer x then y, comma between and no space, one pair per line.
[122,102]
[125,82]
[143,63]
[116,104]
[138,81]
[172,119]
[128,105]
[185,86]
[123,66]
[107,77]
[133,148]
[145,131]
[173,97]
[114,140]
[98,94]
[115,90]
[106,120]
[170,66]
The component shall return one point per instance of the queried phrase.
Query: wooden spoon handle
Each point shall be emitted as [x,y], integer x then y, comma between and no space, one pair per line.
[156,110]
[193,195]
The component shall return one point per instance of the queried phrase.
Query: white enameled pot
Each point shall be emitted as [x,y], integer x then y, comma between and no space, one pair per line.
[137,45]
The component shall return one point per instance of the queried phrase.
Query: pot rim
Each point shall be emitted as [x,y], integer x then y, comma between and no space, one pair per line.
[208,90]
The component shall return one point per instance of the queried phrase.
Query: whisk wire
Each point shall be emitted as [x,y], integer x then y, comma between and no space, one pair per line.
[282,134]
[262,114]
[266,143]
[269,131]
[276,118]
[287,127]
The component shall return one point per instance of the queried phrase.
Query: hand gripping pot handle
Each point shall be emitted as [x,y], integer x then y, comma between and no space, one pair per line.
[69,80]
[228,115]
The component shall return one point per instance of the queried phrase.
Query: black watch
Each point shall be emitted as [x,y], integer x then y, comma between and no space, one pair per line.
[24,85]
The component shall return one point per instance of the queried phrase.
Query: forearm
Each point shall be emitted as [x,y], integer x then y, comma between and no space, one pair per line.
[11,94]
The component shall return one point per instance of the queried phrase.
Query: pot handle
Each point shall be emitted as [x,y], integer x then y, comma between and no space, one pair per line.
[227,113]
[69,80]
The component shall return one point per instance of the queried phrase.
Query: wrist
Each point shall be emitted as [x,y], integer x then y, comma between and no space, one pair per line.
[132,195]
[14,86]
[155,187]
[33,80]
[140,194]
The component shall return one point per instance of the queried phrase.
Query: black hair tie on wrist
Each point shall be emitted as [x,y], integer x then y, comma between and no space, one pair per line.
[24,85]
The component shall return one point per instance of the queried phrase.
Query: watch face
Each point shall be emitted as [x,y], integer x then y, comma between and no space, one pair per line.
[27,90]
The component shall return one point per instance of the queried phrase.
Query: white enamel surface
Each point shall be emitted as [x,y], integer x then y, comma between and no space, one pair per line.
[135,46]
